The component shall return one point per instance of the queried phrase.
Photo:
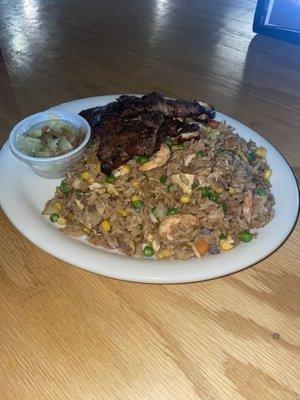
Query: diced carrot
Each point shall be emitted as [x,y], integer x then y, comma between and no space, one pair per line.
[213,124]
[202,247]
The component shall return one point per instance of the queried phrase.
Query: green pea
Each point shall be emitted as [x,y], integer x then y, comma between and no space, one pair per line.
[163,178]
[206,191]
[246,236]
[54,217]
[148,251]
[142,159]
[110,178]
[250,156]
[64,187]
[260,191]
[200,154]
[137,204]
[169,141]
[214,196]
[78,194]
[172,211]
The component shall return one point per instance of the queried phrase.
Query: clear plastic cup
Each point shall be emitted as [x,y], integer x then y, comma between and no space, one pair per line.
[56,166]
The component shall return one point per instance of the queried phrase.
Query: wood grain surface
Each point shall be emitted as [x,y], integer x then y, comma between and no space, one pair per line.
[69,334]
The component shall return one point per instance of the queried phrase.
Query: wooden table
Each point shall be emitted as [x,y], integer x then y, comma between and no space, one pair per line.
[68,334]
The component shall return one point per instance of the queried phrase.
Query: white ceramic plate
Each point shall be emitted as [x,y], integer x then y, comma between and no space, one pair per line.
[23,195]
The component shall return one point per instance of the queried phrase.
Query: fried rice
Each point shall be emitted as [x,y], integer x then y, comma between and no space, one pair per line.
[213,193]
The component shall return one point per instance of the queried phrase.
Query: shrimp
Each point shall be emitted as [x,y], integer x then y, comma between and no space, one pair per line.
[171,224]
[247,206]
[160,159]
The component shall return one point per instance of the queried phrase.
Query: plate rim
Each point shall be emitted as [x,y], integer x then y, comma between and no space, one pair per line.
[156,279]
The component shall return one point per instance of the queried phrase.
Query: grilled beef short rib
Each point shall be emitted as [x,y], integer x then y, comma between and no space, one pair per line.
[134,125]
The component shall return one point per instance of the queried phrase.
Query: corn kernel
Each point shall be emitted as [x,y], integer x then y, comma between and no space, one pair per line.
[97,168]
[231,190]
[267,174]
[150,238]
[123,213]
[57,206]
[61,221]
[126,169]
[185,199]
[261,152]
[165,254]
[85,175]
[135,198]
[105,225]
[110,188]
[227,244]
[136,184]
